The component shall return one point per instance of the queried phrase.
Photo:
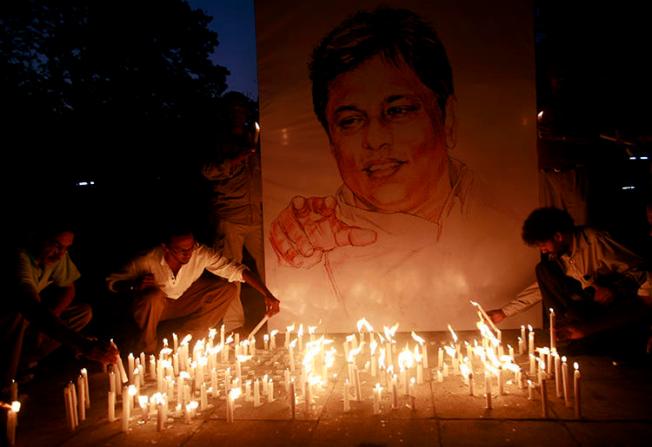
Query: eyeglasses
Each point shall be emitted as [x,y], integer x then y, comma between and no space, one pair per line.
[183,251]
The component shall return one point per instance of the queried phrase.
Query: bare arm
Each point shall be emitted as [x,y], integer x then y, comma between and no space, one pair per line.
[271,302]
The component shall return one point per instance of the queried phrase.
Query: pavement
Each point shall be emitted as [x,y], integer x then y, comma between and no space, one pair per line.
[616,410]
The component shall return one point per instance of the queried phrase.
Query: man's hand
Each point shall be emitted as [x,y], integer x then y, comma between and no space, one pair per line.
[496,315]
[603,295]
[272,305]
[99,351]
[308,227]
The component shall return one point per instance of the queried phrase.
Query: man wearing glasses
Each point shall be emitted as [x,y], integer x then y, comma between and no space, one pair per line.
[169,283]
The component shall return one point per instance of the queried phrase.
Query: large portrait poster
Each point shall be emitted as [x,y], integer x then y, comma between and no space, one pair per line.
[398,159]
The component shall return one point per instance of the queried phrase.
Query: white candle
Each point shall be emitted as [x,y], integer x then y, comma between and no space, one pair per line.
[293,399]
[358,385]
[270,390]
[424,347]
[12,421]
[111,381]
[531,340]
[67,399]
[75,403]
[345,396]
[552,329]
[272,339]
[558,390]
[487,389]
[394,393]
[130,367]
[160,417]
[203,397]
[544,399]
[111,405]
[413,397]
[521,349]
[125,409]
[266,342]
[565,380]
[257,402]
[377,398]
[577,391]
[440,358]
[87,396]
[215,391]
[533,370]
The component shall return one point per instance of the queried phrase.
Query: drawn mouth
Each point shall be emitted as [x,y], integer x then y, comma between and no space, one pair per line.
[383,168]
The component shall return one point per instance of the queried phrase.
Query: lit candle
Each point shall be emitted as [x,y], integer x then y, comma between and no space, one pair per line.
[530,387]
[487,389]
[552,329]
[266,342]
[81,405]
[544,399]
[577,391]
[130,367]
[270,390]
[12,421]
[87,396]
[413,397]
[440,358]
[272,339]
[521,349]
[565,380]
[530,340]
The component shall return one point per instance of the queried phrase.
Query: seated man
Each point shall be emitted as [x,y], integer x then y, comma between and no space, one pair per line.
[169,283]
[42,294]
[592,282]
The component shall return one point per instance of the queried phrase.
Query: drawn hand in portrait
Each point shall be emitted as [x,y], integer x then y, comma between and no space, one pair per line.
[309,227]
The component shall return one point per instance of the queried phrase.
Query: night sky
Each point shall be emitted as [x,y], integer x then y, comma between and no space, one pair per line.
[234,22]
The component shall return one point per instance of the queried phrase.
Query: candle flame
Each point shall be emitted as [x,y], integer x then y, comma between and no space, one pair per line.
[234,393]
[450,328]
[418,339]
[576,366]
[274,332]
[363,323]
[15,406]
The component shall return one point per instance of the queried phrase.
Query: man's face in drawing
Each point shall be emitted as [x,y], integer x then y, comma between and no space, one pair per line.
[387,135]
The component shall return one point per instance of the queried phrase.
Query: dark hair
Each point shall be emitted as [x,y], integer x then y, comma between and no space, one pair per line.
[399,35]
[175,228]
[542,224]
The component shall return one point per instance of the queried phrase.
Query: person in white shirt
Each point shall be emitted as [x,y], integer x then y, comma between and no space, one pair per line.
[169,283]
